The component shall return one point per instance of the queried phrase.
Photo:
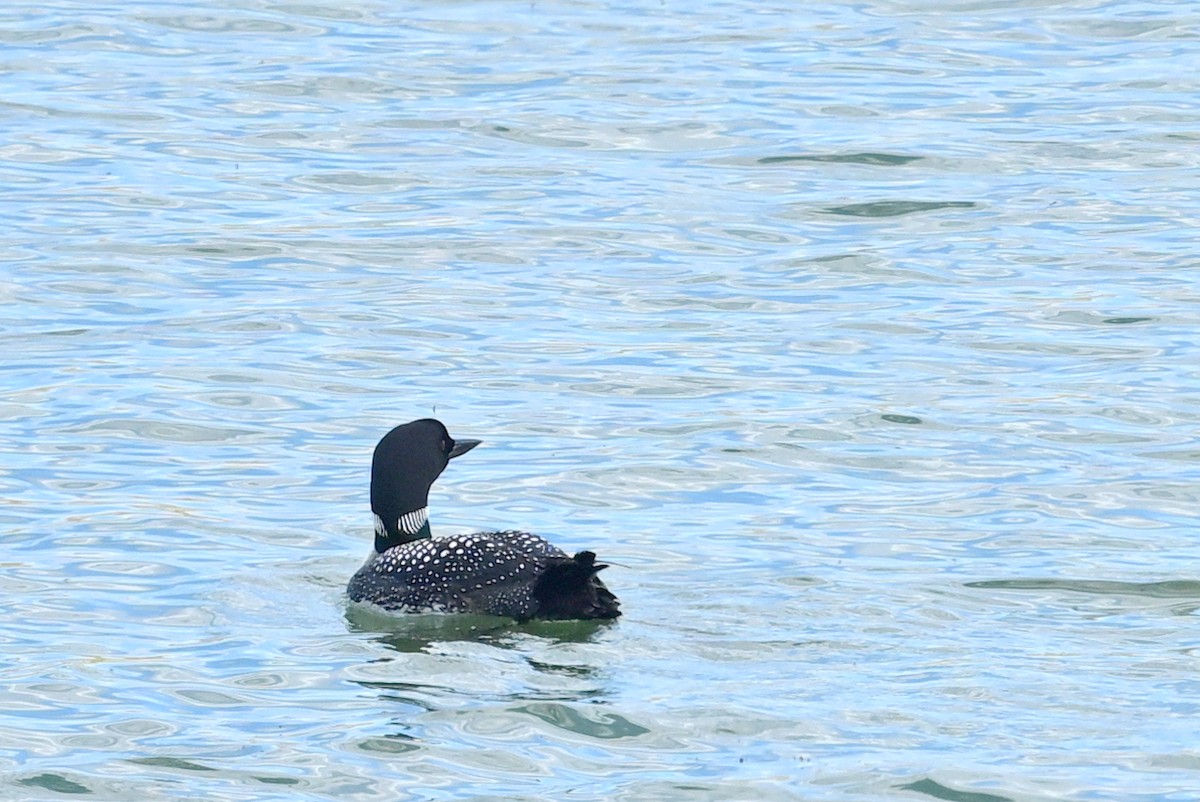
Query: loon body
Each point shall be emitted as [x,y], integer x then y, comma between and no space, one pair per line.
[515,574]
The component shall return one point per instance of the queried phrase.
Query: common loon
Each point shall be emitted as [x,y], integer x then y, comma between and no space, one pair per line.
[514,574]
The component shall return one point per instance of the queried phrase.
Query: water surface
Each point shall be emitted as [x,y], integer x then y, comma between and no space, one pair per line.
[861,338]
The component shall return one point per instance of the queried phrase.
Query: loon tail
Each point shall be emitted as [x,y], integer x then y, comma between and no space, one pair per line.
[569,588]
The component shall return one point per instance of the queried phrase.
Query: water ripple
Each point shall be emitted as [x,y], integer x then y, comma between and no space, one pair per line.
[857,337]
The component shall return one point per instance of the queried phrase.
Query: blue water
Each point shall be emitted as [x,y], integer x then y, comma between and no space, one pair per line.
[860,337]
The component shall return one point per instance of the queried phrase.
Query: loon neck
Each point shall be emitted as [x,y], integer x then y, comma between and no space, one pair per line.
[408,527]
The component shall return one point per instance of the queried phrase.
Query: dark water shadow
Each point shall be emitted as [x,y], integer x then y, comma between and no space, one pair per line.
[880,159]
[593,722]
[936,790]
[416,633]
[54,782]
[895,208]
[1171,589]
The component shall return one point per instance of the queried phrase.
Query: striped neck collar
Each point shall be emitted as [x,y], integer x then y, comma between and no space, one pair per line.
[410,526]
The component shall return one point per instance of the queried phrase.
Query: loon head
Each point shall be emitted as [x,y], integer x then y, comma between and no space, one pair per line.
[407,461]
